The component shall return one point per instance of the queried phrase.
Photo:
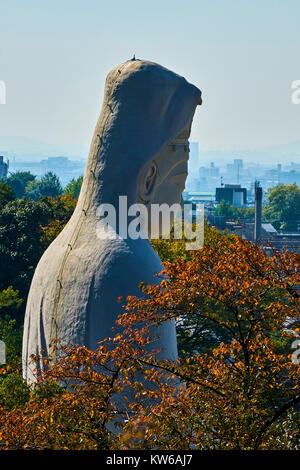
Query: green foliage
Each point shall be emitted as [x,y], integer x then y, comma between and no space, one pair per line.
[9,298]
[194,335]
[213,237]
[20,243]
[46,390]
[231,212]
[246,212]
[74,186]
[11,335]
[27,227]
[10,332]
[48,185]
[6,194]
[18,182]
[14,392]
[227,210]
[61,209]
[170,250]
[283,207]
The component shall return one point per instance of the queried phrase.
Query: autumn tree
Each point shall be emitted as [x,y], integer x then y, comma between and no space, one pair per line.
[80,401]
[242,392]
[194,334]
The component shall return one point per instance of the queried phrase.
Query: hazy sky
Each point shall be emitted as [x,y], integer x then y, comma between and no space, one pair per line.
[242,54]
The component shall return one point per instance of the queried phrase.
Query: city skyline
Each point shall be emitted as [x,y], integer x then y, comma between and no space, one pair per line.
[243,56]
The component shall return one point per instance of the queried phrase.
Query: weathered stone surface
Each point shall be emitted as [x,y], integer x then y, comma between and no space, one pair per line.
[74,291]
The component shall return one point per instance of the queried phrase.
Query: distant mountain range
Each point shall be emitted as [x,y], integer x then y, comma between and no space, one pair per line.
[25,148]
[284,153]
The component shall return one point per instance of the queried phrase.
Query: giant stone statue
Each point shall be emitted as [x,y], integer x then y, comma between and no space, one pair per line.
[139,150]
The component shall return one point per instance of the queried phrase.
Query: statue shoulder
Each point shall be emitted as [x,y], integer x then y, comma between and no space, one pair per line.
[134,259]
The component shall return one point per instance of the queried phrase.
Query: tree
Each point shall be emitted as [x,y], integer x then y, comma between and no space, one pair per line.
[242,393]
[27,227]
[20,244]
[10,332]
[9,298]
[14,392]
[228,278]
[283,207]
[192,334]
[74,186]
[231,212]
[227,210]
[61,208]
[18,182]
[48,185]
[6,194]
[65,416]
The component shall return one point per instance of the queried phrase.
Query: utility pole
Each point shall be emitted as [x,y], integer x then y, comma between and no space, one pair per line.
[258,211]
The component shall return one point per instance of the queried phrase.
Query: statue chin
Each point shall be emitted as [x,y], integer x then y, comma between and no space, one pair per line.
[139,149]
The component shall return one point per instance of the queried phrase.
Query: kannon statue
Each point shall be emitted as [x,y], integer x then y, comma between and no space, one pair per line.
[140,150]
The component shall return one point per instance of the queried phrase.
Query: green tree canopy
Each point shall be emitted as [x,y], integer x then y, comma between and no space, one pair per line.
[227,210]
[9,298]
[6,194]
[283,207]
[20,243]
[48,185]
[74,186]
[18,181]
[232,212]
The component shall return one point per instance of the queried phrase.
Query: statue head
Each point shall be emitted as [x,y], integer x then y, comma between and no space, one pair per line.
[140,147]
[162,181]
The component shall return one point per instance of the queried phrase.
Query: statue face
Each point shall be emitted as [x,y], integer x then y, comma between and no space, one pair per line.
[172,169]
[162,182]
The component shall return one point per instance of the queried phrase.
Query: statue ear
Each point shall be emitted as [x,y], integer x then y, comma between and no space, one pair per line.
[147,181]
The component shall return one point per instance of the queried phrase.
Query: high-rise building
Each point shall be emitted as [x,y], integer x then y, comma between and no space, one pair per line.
[234,170]
[238,163]
[232,193]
